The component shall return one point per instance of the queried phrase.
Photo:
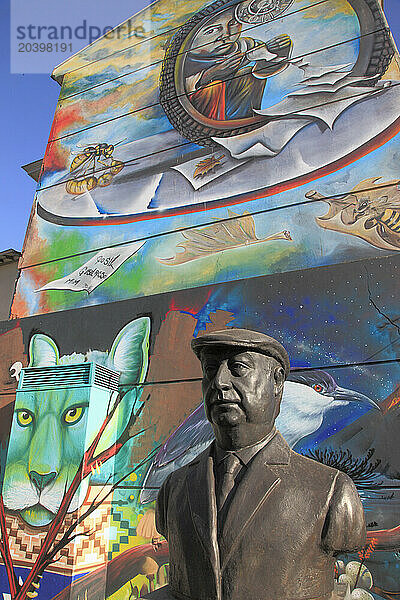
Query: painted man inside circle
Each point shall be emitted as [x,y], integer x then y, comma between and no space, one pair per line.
[249,517]
[226,74]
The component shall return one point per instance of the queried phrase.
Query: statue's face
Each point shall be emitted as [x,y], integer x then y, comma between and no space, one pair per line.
[241,387]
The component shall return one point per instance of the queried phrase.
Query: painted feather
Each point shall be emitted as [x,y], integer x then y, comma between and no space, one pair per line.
[235,233]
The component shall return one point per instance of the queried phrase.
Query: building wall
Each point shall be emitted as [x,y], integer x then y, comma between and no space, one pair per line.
[8,277]
[166,183]
[158,216]
[343,361]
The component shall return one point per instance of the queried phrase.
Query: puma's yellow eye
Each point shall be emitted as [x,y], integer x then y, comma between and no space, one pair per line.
[24,418]
[73,415]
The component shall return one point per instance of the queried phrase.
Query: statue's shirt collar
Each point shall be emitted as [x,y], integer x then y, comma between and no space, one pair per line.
[245,455]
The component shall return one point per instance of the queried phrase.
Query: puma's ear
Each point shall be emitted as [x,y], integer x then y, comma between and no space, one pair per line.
[43,351]
[130,351]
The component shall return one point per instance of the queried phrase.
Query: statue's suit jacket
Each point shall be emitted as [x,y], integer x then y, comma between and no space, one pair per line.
[288,517]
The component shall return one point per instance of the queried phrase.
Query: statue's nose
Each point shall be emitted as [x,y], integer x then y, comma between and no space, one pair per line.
[41,480]
[222,377]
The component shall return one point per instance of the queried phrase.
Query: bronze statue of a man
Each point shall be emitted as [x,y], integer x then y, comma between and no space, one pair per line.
[249,518]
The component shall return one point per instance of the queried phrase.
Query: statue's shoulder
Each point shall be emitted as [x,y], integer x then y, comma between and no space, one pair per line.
[313,470]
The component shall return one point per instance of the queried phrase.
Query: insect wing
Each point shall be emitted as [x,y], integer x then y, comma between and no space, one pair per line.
[81,163]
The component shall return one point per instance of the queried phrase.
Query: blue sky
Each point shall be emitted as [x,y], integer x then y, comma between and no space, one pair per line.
[27,108]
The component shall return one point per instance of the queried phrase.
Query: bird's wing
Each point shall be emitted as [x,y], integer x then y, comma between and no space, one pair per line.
[194,431]
[302,411]
[185,443]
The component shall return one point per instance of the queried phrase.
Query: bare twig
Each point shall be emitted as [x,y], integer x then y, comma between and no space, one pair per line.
[96,503]
[379,310]
[89,461]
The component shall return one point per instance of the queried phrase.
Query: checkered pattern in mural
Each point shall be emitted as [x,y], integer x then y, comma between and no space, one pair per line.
[83,554]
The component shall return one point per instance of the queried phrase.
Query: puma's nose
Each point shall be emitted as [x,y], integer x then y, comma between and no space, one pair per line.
[40,480]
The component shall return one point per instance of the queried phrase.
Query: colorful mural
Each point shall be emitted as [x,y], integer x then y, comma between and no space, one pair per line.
[228,104]
[54,427]
[340,407]
[210,165]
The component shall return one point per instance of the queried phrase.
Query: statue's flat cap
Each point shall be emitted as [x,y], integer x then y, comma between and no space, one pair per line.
[243,339]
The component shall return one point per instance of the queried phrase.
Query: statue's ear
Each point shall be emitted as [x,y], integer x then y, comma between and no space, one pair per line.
[130,351]
[279,380]
[43,351]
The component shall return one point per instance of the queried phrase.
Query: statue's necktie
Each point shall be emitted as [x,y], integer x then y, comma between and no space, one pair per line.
[228,470]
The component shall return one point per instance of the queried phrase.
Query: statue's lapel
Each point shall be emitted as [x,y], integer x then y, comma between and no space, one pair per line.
[258,484]
[201,495]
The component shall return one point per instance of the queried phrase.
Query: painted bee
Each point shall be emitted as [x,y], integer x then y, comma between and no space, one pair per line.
[383,214]
[389,218]
[370,211]
[93,159]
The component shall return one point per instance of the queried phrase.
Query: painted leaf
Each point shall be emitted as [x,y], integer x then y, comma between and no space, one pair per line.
[220,236]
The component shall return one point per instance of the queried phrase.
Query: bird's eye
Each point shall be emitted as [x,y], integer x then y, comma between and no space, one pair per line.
[73,415]
[317,387]
[24,418]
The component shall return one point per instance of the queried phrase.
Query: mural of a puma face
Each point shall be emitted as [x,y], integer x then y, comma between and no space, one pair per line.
[51,429]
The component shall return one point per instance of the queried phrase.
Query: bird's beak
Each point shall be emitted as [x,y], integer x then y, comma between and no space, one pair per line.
[352,396]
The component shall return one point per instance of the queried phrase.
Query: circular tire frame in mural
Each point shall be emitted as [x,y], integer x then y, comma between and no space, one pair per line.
[375,53]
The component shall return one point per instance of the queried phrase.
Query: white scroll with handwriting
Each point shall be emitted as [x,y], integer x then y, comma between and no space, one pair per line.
[96,270]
